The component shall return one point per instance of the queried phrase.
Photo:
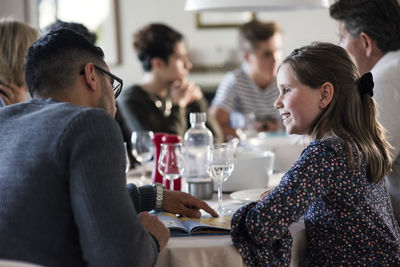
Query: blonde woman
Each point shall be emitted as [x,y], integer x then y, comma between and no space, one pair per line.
[16,38]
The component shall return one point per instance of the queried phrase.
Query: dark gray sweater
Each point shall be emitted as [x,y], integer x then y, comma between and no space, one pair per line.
[63,196]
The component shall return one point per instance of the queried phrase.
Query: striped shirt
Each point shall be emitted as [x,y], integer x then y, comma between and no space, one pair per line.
[238,94]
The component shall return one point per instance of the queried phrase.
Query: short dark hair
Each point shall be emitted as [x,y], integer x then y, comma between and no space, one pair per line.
[55,59]
[155,41]
[380,19]
[78,27]
[255,31]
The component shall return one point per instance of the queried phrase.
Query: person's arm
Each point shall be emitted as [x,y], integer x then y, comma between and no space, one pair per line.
[144,199]
[260,230]
[223,103]
[222,116]
[185,204]
[109,229]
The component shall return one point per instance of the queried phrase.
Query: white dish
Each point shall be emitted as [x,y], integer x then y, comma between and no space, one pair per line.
[249,195]
[252,170]
[287,148]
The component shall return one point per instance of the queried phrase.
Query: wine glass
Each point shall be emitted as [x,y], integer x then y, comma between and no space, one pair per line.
[220,166]
[142,149]
[170,162]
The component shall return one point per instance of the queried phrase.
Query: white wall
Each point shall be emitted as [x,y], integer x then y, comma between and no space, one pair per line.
[22,10]
[300,27]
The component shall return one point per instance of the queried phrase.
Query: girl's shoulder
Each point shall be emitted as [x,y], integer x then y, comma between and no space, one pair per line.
[331,143]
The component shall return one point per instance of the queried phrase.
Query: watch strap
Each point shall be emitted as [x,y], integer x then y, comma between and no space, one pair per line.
[159,196]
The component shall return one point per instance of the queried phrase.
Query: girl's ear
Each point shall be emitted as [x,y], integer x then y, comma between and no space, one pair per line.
[327,90]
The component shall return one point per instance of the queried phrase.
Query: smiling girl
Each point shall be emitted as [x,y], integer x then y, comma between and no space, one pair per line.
[337,183]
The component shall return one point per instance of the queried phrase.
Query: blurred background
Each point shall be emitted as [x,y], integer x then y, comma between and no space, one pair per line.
[211,37]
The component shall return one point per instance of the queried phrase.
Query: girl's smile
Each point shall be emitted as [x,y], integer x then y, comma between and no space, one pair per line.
[298,104]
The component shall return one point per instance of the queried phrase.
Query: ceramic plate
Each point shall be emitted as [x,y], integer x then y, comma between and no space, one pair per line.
[249,195]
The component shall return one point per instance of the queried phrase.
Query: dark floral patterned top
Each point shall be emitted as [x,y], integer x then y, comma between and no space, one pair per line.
[348,221]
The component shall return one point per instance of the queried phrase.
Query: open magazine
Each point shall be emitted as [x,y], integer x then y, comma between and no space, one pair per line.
[183,226]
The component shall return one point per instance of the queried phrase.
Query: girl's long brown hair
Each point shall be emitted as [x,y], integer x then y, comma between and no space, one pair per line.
[350,115]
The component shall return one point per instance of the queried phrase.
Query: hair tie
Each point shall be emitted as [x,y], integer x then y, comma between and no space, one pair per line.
[366,84]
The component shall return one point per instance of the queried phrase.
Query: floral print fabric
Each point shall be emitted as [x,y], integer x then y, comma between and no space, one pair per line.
[348,220]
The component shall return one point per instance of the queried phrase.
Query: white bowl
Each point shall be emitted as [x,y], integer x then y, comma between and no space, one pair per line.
[252,169]
[287,148]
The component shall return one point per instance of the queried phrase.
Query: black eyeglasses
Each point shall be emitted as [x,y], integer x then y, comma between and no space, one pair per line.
[117,87]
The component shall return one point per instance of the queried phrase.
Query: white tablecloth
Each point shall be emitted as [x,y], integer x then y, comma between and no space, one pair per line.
[203,251]
[217,250]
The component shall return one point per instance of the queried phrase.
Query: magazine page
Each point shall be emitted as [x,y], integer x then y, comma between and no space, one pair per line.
[172,222]
[208,225]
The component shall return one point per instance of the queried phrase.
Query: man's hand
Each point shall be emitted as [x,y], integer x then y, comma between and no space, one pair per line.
[12,94]
[185,204]
[154,226]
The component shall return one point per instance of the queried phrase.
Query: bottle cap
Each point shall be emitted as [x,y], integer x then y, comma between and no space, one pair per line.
[197,117]
[171,139]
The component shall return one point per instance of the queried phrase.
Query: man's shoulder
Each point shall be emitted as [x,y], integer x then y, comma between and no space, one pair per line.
[67,111]
[239,74]
[233,80]
[58,114]
[387,67]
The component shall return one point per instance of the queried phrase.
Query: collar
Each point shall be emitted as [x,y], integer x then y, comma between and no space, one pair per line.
[385,60]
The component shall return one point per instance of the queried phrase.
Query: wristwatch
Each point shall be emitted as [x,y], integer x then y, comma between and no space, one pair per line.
[159,196]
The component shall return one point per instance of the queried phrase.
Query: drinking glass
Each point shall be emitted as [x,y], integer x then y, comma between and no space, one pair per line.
[142,149]
[170,162]
[220,166]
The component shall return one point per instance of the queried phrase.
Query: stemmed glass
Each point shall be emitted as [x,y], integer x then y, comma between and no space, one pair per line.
[170,162]
[220,166]
[142,149]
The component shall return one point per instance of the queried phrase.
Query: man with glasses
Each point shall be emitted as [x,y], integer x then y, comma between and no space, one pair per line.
[63,195]
[92,37]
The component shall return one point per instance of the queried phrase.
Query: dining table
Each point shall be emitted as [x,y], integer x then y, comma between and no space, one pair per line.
[217,250]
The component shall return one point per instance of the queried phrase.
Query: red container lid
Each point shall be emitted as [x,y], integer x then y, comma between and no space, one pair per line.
[159,136]
[171,139]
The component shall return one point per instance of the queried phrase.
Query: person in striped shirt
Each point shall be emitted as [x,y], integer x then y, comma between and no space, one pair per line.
[250,91]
